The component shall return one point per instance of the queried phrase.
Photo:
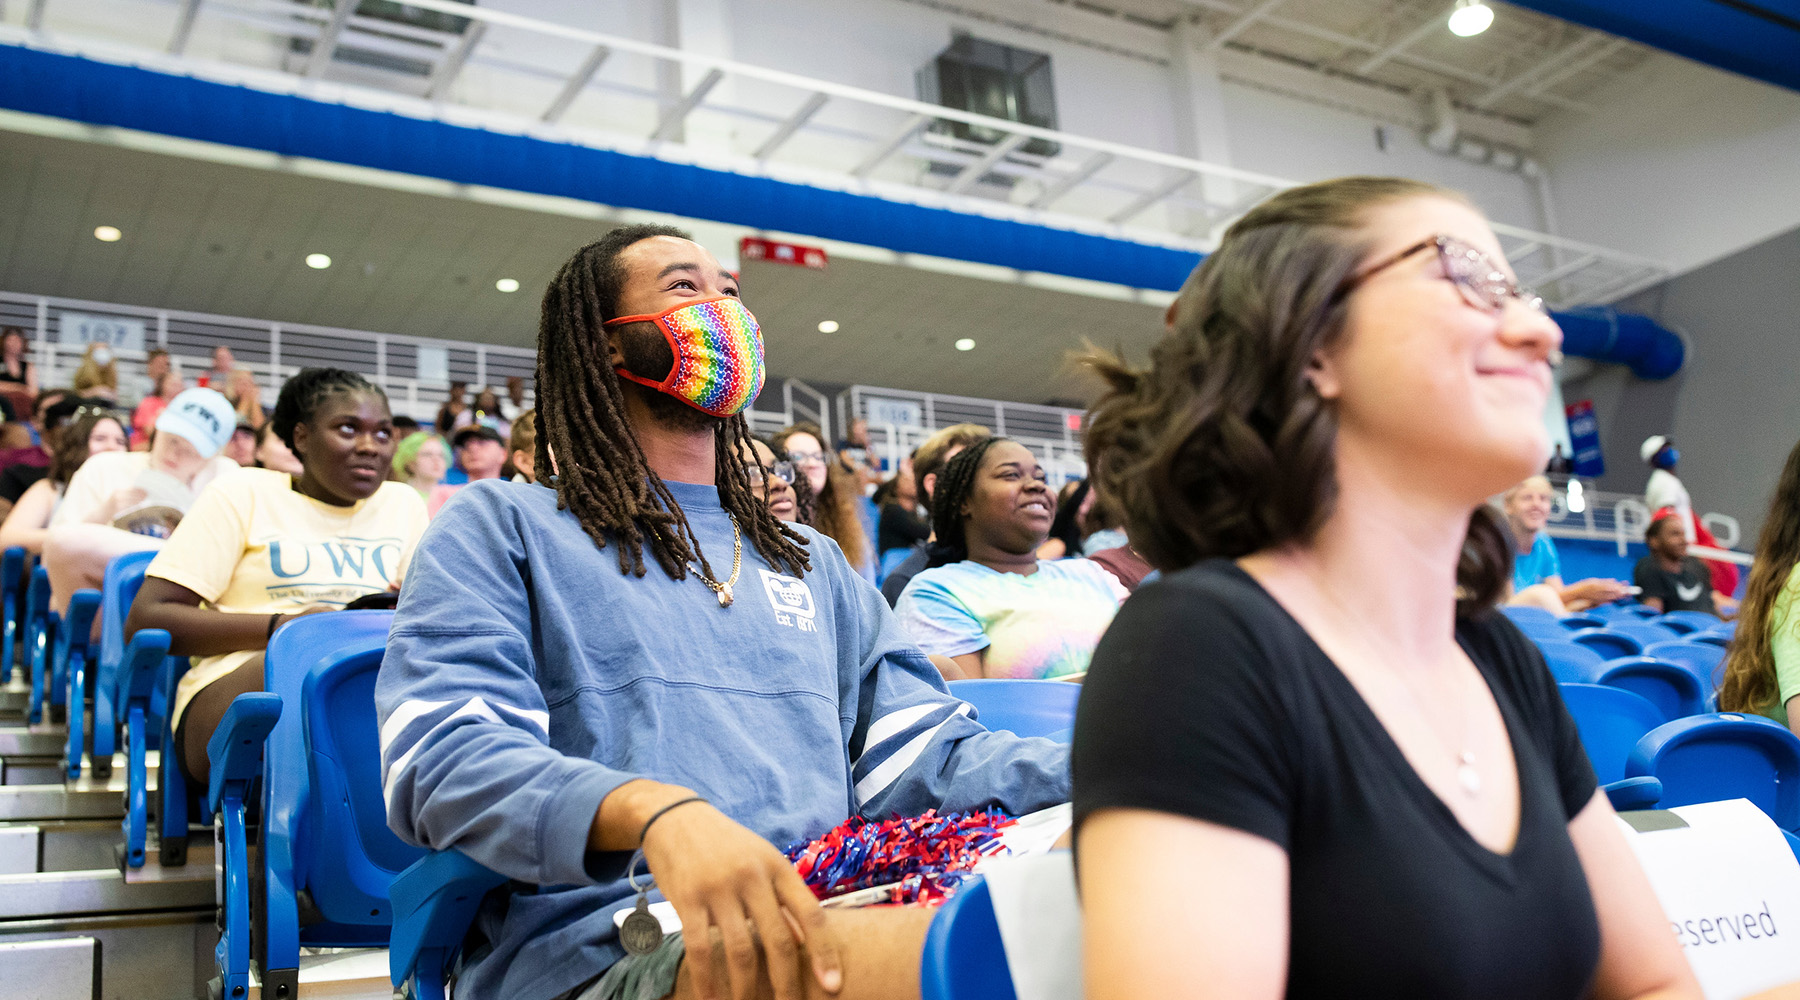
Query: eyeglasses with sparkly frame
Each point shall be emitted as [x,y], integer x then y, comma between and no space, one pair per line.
[1482,283]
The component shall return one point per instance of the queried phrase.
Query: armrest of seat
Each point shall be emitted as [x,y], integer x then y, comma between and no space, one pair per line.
[1634,793]
[236,748]
[143,655]
[84,604]
[434,902]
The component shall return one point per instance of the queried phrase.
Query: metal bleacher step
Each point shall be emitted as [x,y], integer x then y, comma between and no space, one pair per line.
[86,797]
[341,974]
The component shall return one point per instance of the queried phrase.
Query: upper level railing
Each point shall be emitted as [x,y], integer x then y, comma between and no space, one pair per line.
[1622,518]
[511,73]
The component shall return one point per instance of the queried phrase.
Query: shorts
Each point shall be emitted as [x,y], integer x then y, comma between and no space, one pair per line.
[636,977]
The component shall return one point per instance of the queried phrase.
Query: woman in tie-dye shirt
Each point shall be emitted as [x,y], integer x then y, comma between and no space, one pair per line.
[987,606]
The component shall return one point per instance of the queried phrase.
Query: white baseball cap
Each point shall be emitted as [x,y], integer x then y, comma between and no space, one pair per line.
[1652,444]
[203,417]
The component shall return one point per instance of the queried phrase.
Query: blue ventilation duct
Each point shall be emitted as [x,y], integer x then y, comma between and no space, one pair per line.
[1648,348]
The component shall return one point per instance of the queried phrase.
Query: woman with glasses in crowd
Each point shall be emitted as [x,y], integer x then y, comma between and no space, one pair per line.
[835,492]
[1312,760]
[94,429]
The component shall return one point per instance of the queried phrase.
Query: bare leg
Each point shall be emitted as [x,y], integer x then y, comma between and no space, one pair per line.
[207,708]
[76,556]
[1540,595]
[879,946]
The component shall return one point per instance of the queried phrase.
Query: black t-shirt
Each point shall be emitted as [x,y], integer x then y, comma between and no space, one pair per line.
[1206,699]
[15,479]
[911,566]
[1689,590]
[900,528]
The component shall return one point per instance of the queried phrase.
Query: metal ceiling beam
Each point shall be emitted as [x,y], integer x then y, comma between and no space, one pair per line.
[1394,48]
[577,82]
[671,122]
[1538,89]
[1556,274]
[899,138]
[975,171]
[327,42]
[453,63]
[1153,196]
[184,26]
[786,129]
[1094,165]
[1243,23]
[1546,65]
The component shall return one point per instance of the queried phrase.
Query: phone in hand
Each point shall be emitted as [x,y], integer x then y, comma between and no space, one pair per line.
[385,601]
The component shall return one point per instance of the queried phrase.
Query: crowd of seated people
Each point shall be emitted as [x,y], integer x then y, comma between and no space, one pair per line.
[1537,569]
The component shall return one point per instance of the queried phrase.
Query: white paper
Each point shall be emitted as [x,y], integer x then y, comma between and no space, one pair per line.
[1730,886]
[1040,923]
[662,910]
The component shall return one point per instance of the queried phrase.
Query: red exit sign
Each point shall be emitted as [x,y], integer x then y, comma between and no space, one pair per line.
[756,248]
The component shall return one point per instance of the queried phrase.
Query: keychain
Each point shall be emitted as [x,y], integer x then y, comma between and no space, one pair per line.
[641,933]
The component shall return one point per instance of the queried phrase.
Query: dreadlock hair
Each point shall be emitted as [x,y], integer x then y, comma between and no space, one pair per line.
[954,485]
[583,435]
[301,396]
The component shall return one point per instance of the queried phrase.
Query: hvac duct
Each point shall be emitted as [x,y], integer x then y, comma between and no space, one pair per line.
[1649,349]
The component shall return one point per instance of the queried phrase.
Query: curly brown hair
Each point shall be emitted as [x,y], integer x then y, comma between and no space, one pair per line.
[1750,663]
[1222,447]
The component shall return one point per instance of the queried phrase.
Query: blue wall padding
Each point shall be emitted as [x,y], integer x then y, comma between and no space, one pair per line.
[1649,349]
[102,93]
[1758,38]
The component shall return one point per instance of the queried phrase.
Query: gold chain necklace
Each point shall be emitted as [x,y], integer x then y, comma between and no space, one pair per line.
[737,564]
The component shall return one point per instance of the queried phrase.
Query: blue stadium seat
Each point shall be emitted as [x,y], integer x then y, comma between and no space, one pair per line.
[964,958]
[73,660]
[1645,632]
[434,902]
[1708,758]
[115,604]
[1524,616]
[1621,610]
[1609,642]
[135,688]
[1570,662]
[1580,619]
[890,561]
[1706,661]
[40,633]
[1023,707]
[1611,722]
[325,839]
[12,587]
[1672,688]
[1687,622]
[1719,635]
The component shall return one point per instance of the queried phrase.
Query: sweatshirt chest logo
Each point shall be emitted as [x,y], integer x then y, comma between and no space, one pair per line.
[792,600]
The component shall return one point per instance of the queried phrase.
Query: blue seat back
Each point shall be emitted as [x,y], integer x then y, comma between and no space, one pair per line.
[1611,721]
[124,578]
[1571,663]
[1609,642]
[1708,758]
[1645,632]
[1686,622]
[964,958]
[1704,660]
[1526,617]
[1581,620]
[12,581]
[1022,707]
[1672,688]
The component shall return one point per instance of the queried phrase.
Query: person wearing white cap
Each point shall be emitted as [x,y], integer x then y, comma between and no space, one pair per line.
[129,501]
[1664,489]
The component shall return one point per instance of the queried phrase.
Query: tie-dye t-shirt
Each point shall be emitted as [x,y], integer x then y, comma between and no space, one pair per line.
[1042,625]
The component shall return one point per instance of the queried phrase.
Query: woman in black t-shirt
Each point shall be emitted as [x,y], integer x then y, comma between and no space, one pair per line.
[1312,761]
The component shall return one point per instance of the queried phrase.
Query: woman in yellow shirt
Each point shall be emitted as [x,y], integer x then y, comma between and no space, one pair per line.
[262,547]
[1762,671]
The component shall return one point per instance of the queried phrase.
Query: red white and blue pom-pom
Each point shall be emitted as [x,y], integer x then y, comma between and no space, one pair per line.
[917,859]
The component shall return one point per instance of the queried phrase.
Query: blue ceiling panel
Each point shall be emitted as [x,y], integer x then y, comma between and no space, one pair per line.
[1757,38]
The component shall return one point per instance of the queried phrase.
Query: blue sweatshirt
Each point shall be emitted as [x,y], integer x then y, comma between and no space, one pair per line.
[526,678]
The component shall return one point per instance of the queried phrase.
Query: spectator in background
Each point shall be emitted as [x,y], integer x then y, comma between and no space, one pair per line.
[522,448]
[16,373]
[1762,667]
[246,398]
[404,425]
[1560,464]
[481,453]
[97,377]
[1671,580]
[134,388]
[928,461]
[40,407]
[1537,570]
[26,449]
[858,455]
[272,452]
[1103,527]
[242,446]
[901,527]
[987,602]
[420,461]
[263,548]
[515,394]
[168,386]
[456,402]
[1665,489]
[836,492]
[119,503]
[93,431]
[486,413]
[772,480]
[223,364]
[1073,502]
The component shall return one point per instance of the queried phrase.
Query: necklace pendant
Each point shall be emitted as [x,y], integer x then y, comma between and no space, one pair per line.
[724,595]
[1467,776]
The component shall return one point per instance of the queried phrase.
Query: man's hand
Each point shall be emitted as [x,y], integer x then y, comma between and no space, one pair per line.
[121,500]
[1596,592]
[719,875]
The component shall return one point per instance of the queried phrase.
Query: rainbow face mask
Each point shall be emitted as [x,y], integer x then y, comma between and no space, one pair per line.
[718,352]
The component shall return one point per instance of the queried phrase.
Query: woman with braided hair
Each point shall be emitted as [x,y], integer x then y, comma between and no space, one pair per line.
[636,654]
[986,601]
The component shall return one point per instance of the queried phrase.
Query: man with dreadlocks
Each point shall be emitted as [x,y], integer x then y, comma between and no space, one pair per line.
[637,656]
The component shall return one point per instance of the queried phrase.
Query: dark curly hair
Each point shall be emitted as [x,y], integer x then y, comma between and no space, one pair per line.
[72,441]
[1222,447]
[302,395]
[954,485]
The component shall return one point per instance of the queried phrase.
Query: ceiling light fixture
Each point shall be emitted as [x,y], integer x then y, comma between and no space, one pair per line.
[828,326]
[1471,17]
[507,284]
[318,261]
[965,344]
[108,234]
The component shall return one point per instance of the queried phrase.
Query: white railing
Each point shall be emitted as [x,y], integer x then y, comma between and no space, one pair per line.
[1622,519]
[521,75]
[899,420]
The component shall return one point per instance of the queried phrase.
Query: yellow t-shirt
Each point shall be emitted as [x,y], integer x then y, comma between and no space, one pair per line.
[253,544]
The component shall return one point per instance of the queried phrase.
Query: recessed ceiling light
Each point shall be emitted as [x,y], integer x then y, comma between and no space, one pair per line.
[828,326]
[965,344]
[318,261]
[1471,17]
[507,284]
[107,234]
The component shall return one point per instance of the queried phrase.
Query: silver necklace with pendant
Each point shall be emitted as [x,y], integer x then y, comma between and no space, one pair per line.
[641,933]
